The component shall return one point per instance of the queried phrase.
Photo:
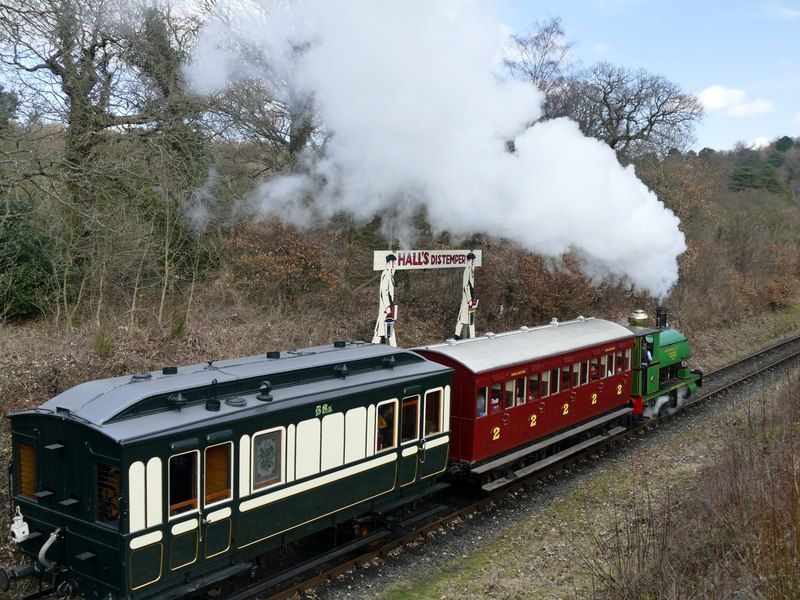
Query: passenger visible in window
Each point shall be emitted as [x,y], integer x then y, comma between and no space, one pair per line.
[386,426]
[480,403]
[594,369]
[610,365]
[494,400]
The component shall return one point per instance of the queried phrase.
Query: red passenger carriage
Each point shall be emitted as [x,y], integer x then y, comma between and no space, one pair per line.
[535,387]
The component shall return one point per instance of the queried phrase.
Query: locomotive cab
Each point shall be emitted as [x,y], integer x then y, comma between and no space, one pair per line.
[661,380]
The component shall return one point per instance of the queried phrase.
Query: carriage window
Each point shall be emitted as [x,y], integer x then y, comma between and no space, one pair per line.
[267,458]
[480,403]
[26,475]
[609,365]
[494,399]
[533,387]
[576,374]
[108,491]
[433,412]
[218,473]
[409,429]
[594,369]
[627,363]
[183,483]
[585,372]
[508,396]
[619,361]
[387,429]
[566,378]
[545,387]
[554,381]
[520,395]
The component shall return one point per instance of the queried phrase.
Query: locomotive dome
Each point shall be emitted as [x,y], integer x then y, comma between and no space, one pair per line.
[527,344]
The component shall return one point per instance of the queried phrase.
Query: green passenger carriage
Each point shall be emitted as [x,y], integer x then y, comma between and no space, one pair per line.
[163,483]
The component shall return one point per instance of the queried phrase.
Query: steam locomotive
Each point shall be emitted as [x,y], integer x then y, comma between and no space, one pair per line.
[180,483]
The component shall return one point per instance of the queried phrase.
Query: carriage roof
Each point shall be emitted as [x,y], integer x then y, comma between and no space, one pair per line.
[529,344]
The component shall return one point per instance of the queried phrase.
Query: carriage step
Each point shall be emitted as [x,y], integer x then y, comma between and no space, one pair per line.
[537,466]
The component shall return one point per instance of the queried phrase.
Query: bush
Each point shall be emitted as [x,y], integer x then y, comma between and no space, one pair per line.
[24,264]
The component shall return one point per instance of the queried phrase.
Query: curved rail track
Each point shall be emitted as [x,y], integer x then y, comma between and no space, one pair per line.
[307,575]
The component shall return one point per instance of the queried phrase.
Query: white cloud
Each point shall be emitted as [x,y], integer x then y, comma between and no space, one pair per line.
[782,12]
[781,63]
[797,118]
[601,48]
[731,102]
[759,142]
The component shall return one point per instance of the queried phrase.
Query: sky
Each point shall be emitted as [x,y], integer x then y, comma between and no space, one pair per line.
[741,58]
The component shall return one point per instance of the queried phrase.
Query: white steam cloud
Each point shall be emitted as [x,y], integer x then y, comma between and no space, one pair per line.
[416,116]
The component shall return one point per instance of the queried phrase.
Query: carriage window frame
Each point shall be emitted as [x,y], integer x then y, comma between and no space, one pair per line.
[565,377]
[206,504]
[544,384]
[409,401]
[584,372]
[576,375]
[520,391]
[33,476]
[508,394]
[197,490]
[281,459]
[555,381]
[485,399]
[396,420]
[534,391]
[113,523]
[440,402]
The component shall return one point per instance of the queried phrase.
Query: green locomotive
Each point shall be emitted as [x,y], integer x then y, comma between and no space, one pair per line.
[661,382]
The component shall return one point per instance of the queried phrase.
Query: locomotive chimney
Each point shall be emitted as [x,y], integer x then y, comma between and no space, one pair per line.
[661,317]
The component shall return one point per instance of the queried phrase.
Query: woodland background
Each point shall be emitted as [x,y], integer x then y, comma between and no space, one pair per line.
[128,240]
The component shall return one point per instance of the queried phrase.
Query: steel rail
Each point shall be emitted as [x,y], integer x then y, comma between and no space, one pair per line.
[530,480]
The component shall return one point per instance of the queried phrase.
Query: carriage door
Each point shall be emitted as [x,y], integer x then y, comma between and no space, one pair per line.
[217,497]
[433,448]
[184,509]
[501,399]
[409,438]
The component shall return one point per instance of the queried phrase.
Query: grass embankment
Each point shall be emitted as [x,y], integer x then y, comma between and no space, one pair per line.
[736,534]
[711,512]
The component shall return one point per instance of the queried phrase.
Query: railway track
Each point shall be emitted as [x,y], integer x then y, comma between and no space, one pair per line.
[318,571]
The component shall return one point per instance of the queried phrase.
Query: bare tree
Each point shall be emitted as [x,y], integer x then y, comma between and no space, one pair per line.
[633,111]
[539,55]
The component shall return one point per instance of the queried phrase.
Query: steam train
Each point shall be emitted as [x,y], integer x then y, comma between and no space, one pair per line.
[180,483]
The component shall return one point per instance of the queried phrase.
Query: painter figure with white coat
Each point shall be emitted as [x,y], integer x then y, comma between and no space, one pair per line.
[465,324]
[387,309]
